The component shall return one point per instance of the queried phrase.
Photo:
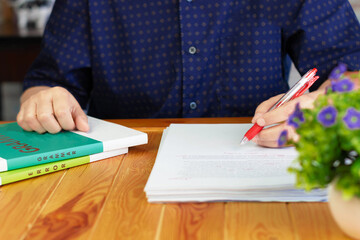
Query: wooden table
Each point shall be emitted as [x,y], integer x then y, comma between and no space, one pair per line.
[106,200]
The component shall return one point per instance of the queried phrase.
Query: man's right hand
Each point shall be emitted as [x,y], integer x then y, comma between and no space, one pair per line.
[50,109]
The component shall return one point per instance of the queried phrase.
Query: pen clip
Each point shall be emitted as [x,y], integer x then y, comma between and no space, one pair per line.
[299,88]
[306,86]
[311,73]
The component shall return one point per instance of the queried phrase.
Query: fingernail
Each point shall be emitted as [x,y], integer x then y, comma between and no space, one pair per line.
[261,122]
[255,139]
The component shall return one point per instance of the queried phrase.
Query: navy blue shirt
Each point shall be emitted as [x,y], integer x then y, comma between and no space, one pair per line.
[189,58]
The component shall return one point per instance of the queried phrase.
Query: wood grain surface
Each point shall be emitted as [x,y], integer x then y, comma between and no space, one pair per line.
[106,200]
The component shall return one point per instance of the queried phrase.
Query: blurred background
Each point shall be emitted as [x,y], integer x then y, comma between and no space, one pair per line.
[21,26]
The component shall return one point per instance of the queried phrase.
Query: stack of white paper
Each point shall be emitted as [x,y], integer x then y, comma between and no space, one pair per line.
[205,162]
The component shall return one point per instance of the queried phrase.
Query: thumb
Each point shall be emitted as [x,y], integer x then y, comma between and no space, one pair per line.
[264,107]
[81,120]
[256,116]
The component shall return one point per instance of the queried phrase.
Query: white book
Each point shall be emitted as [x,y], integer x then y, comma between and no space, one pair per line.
[112,135]
[205,162]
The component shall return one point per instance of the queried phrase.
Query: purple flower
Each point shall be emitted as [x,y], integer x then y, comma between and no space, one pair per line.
[345,85]
[327,116]
[338,71]
[283,138]
[352,118]
[297,117]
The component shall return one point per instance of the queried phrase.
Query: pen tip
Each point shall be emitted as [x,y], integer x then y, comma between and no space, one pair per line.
[244,140]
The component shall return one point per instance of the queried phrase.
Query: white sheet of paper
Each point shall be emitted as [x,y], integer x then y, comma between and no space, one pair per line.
[206,161]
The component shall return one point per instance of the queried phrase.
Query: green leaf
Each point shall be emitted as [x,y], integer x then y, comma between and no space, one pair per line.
[328,153]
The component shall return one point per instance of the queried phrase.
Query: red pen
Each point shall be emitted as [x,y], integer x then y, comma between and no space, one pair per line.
[297,90]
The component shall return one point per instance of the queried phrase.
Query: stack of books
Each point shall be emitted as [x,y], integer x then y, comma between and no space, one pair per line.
[205,162]
[25,154]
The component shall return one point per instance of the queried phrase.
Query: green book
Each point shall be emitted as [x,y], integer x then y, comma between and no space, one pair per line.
[34,171]
[20,149]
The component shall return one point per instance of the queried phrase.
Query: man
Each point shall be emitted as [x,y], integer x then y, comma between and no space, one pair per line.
[187,58]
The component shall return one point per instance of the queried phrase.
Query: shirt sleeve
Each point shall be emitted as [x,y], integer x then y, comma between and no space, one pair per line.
[323,34]
[65,56]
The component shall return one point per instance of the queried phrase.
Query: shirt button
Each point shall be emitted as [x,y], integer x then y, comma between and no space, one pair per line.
[189,0]
[192,50]
[193,105]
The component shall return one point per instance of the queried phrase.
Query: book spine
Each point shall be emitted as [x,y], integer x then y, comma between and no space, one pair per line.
[34,171]
[52,156]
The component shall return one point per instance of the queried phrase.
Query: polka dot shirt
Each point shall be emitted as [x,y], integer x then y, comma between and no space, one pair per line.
[189,58]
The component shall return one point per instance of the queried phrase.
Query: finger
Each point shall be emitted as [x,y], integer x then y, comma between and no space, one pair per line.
[282,113]
[20,118]
[45,114]
[277,115]
[269,137]
[68,111]
[81,119]
[257,115]
[30,118]
[264,107]
[62,110]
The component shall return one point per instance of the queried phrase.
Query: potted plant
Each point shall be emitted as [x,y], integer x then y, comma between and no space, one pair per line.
[328,144]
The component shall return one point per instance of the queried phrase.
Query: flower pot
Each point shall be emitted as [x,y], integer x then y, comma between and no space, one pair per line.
[345,212]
